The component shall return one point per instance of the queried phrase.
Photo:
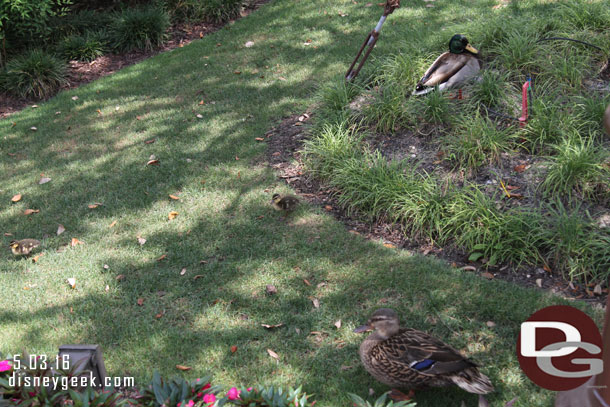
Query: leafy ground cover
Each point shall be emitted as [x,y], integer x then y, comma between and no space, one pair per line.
[156,292]
[461,172]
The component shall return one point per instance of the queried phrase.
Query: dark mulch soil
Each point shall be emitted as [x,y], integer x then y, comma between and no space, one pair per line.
[80,73]
[284,142]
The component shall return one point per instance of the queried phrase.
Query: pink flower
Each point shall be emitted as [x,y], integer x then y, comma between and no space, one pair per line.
[233,393]
[31,393]
[5,365]
[209,398]
[207,386]
[191,403]
[249,389]
[178,405]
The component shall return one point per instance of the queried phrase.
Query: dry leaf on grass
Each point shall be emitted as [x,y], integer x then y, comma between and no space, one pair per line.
[120,277]
[198,276]
[182,367]
[316,303]
[539,282]
[72,282]
[44,180]
[487,275]
[60,229]
[152,162]
[174,197]
[389,245]
[112,224]
[267,326]
[273,354]
[163,256]
[35,258]
[469,268]
[519,168]
[140,301]
[338,324]
[306,281]
[150,141]
[94,205]
[172,215]
[16,198]
[30,211]
[490,324]
[597,290]
[183,271]
[233,349]
[141,240]
[75,242]
[270,289]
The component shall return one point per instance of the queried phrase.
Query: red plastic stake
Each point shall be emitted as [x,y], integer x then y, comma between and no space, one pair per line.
[524,117]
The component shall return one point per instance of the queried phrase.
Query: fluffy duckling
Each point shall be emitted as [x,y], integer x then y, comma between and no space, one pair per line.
[285,203]
[23,247]
[456,65]
[407,358]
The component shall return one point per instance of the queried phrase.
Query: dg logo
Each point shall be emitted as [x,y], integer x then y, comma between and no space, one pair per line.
[560,348]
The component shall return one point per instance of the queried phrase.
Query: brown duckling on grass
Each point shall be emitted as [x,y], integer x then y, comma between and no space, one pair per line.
[23,247]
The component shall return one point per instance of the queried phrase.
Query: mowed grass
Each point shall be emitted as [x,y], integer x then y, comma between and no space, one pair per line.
[93,148]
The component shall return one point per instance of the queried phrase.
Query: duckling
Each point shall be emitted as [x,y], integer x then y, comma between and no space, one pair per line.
[452,67]
[286,203]
[23,247]
[407,358]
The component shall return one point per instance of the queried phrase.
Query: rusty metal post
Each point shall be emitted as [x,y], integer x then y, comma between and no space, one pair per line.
[371,40]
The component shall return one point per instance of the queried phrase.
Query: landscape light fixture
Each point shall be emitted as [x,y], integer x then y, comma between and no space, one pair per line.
[90,359]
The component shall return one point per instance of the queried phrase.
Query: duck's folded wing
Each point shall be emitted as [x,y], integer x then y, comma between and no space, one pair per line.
[443,68]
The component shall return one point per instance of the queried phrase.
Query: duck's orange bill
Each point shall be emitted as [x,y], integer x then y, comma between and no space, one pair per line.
[471,49]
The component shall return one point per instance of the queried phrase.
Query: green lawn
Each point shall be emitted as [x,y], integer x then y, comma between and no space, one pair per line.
[94,150]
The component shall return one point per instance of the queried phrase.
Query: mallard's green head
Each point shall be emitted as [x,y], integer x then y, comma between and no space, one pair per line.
[384,321]
[458,44]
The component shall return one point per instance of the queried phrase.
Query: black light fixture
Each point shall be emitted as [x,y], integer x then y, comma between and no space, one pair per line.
[90,359]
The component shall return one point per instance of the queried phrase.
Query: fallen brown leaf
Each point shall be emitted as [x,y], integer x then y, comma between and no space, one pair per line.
[597,290]
[470,268]
[270,289]
[159,315]
[328,208]
[112,224]
[183,271]
[198,276]
[338,324]
[389,245]
[306,281]
[120,277]
[272,326]
[174,197]
[182,367]
[316,303]
[233,349]
[163,256]
[539,282]
[94,205]
[487,275]
[152,140]
[343,367]
[60,229]
[259,139]
[140,301]
[75,242]
[152,162]
[44,180]
[35,258]
[490,324]
[273,354]
[72,282]
[141,240]
[519,168]
[172,215]
[30,211]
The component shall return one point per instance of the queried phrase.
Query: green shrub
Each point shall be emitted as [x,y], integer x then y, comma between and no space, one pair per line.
[177,391]
[491,90]
[81,22]
[139,28]
[35,74]
[387,110]
[382,401]
[84,47]
[577,166]
[547,124]
[212,10]
[435,107]
[477,141]
[25,21]
[575,246]
[517,51]
[265,396]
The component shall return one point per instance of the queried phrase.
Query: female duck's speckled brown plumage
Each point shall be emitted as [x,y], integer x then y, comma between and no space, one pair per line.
[408,358]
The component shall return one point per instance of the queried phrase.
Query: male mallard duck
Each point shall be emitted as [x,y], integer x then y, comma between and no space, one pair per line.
[404,357]
[457,65]
[23,247]
[286,203]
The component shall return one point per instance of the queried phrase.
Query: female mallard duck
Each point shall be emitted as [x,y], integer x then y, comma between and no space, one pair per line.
[457,65]
[404,357]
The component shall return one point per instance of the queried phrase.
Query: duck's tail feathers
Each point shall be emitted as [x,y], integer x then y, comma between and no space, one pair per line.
[473,381]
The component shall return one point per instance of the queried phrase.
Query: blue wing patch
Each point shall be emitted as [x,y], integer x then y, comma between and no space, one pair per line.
[423,364]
